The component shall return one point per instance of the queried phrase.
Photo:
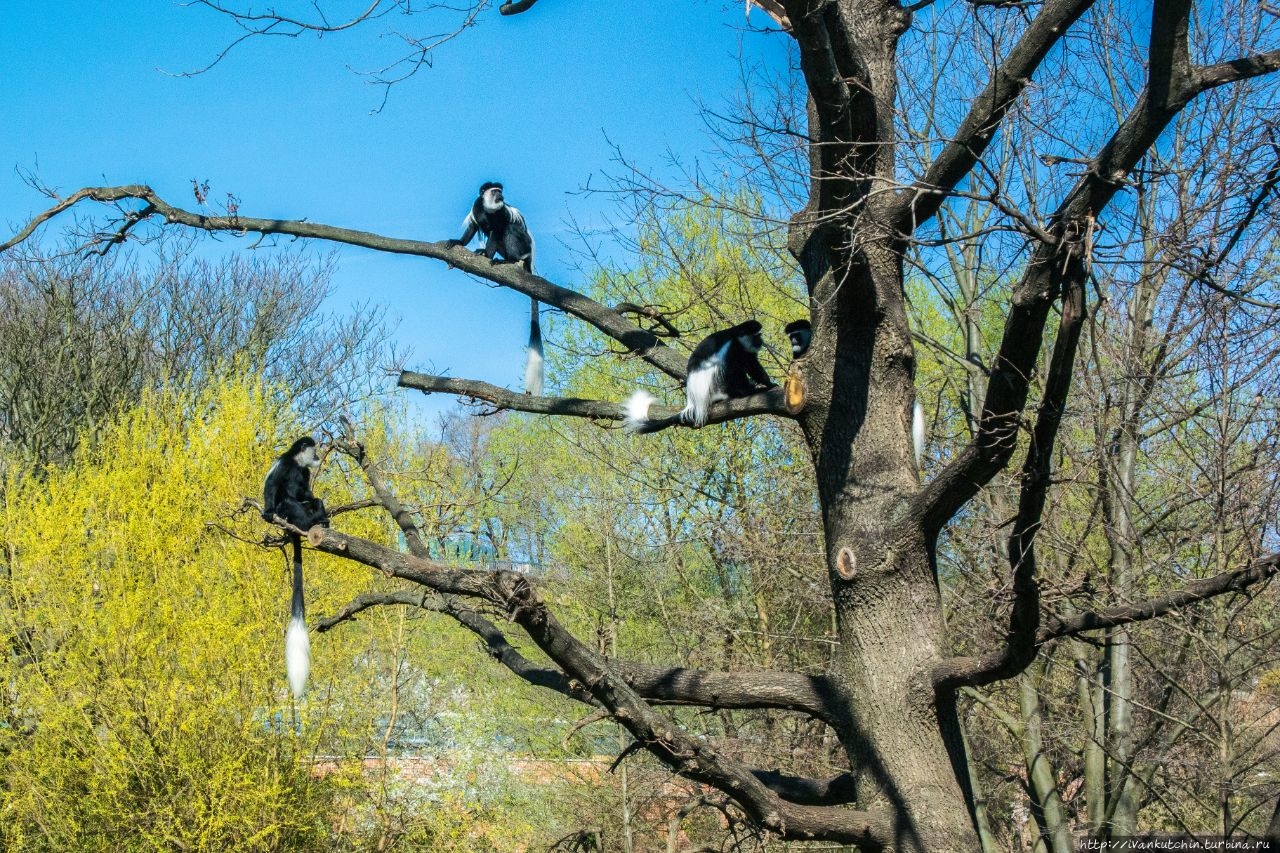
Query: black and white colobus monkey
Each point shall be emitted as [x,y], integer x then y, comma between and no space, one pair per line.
[724,366]
[801,334]
[287,494]
[506,234]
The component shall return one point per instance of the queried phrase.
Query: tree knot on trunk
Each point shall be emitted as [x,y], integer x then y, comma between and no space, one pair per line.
[517,596]
[846,564]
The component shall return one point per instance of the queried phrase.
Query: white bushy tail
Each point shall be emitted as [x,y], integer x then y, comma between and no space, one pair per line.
[297,656]
[533,364]
[297,644]
[533,372]
[637,412]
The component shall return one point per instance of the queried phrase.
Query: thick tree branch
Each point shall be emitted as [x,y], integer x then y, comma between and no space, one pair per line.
[496,643]
[635,339]
[826,71]
[1169,89]
[834,791]
[1019,646]
[960,671]
[843,125]
[367,600]
[1239,580]
[766,403]
[920,202]
[373,474]
[1210,76]
[350,507]
[608,685]
[674,685]
[787,691]
[782,690]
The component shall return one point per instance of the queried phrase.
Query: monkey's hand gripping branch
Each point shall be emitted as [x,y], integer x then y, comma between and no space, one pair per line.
[128,217]
[766,403]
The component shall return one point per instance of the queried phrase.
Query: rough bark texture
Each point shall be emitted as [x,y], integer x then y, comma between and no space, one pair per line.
[857,423]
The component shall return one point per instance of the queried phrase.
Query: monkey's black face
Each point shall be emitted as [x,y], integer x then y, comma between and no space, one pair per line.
[752,343]
[800,342]
[306,457]
[491,199]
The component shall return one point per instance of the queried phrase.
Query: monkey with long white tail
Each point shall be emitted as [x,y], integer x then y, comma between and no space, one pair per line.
[724,366]
[533,359]
[287,494]
[506,234]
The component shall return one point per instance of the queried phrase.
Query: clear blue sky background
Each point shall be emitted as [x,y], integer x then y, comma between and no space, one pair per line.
[533,100]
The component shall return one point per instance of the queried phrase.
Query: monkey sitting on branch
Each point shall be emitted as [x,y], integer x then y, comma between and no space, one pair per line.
[506,234]
[724,366]
[286,495]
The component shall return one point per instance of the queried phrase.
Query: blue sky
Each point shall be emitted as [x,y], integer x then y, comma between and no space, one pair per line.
[534,101]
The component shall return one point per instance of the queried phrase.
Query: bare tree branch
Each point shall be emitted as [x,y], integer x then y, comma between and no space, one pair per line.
[787,691]
[810,792]
[1239,580]
[271,23]
[1019,646]
[765,403]
[959,671]
[507,590]
[673,685]
[347,507]
[1169,89]
[635,339]
[373,474]
[609,686]
[496,643]
[920,202]
[774,9]
[822,62]
[1210,76]
[649,313]
[367,600]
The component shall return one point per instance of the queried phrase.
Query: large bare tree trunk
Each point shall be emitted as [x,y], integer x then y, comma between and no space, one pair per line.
[888,610]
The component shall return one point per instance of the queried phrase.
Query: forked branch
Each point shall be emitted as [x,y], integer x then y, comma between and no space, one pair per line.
[1010,79]
[619,689]
[969,671]
[672,685]
[1018,648]
[1172,83]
